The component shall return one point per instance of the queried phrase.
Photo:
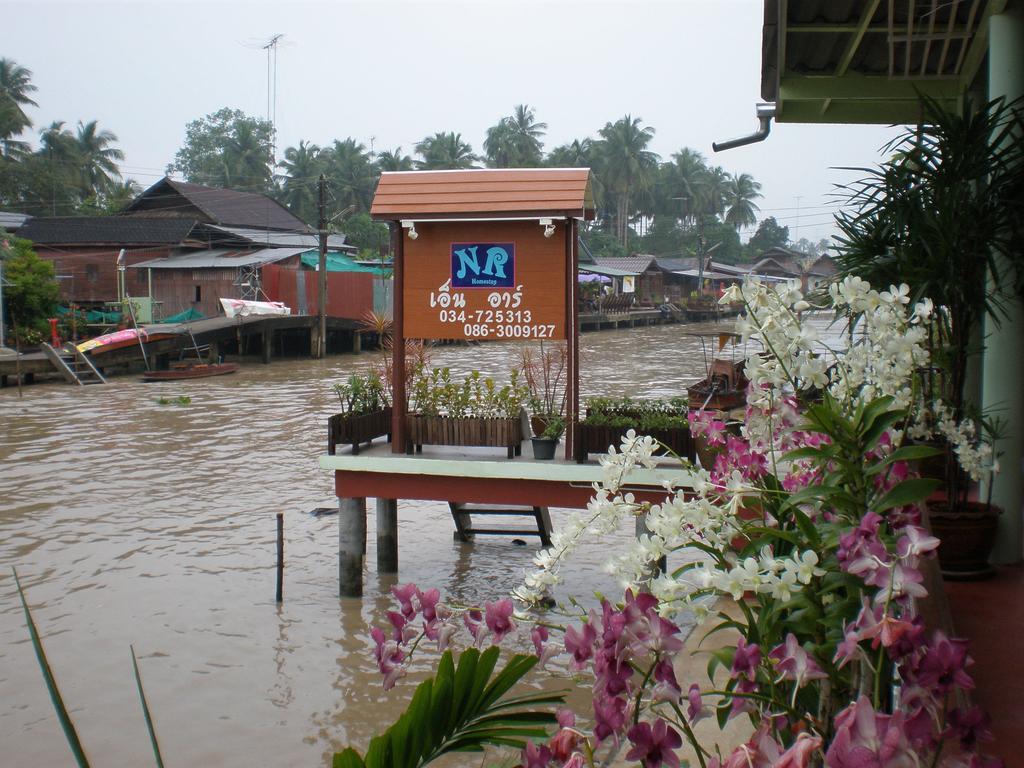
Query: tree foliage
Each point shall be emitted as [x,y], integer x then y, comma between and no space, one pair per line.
[227,148]
[769,234]
[31,291]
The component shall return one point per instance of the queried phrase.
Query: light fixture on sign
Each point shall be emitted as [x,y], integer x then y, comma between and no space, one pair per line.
[549,226]
[411,226]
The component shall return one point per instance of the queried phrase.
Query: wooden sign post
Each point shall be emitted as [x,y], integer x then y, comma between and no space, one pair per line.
[484,255]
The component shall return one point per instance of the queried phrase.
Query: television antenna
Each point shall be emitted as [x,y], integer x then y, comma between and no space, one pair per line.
[271,48]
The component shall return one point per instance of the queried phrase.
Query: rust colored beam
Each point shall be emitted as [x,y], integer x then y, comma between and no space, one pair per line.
[399,406]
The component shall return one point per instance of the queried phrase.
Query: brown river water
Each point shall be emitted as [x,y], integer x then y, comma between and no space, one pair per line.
[136,523]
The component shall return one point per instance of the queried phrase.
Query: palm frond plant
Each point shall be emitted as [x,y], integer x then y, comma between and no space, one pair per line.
[944,215]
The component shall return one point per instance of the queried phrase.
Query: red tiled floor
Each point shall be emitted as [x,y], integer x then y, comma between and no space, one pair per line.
[990,614]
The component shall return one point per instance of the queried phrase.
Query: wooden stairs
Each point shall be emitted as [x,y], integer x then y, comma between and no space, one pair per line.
[73,365]
[463,513]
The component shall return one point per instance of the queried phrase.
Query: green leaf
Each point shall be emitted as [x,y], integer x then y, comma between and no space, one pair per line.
[907,492]
[347,759]
[145,711]
[460,710]
[874,433]
[904,453]
[51,683]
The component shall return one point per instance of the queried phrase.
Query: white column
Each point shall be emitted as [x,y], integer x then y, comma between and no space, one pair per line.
[1003,366]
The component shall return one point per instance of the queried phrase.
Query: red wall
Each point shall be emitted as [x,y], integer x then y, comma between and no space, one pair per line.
[90,274]
[349,294]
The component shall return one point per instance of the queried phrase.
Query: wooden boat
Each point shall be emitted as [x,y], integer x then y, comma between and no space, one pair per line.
[724,387]
[191,371]
[127,337]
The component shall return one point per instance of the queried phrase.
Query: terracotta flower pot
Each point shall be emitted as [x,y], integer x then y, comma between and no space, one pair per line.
[967,533]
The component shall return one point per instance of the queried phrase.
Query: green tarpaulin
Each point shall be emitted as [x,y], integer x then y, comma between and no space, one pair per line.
[184,317]
[337,262]
[95,316]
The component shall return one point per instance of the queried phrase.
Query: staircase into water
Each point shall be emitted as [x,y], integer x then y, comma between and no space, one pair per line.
[73,365]
[462,514]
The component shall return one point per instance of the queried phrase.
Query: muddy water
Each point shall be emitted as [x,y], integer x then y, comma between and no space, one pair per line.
[136,523]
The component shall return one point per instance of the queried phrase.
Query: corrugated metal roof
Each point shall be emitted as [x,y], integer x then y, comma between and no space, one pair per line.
[607,271]
[12,221]
[490,192]
[633,265]
[107,230]
[285,239]
[222,259]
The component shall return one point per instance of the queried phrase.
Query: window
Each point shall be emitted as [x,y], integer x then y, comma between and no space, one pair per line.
[199,294]
[140,276]
[92,272]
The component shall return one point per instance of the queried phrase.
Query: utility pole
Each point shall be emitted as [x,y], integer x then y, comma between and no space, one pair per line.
[321,348]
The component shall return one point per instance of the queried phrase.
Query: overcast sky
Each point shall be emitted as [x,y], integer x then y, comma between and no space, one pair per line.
[393,72]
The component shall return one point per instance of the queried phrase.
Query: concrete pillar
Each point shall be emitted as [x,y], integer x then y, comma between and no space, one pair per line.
[314,340]
[351,546]
[214,352]
[357,342]
[1003,366]
[387,535]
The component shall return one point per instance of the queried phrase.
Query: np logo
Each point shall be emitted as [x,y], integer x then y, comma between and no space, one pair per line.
[483,265]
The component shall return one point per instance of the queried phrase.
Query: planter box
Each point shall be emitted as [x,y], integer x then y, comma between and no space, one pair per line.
[468,431]
[355,429]
[590,438]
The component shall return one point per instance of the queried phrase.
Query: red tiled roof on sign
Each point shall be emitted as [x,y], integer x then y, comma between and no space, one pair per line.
[498,192]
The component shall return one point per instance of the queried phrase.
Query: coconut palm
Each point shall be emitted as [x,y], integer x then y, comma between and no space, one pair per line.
[97,158]
[577,154]
[683,178]
[741,191]
[627,165]
[351,177]
[303,164]
[245,162]
[444,151]
[394,160]
[499,146]
[15,85]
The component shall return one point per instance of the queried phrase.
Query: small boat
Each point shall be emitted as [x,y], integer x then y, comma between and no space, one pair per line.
[191,371]
[724,387]
[127,337]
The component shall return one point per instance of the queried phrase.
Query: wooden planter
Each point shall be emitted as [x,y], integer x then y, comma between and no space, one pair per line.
[590,438]
[357,428]
[469,431]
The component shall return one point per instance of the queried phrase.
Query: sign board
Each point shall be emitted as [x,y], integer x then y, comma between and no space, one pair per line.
[628,284]
[499,281]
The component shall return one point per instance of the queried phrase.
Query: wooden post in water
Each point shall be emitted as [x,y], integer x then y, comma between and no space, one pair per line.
[387,535]
[351,546]
[280,557]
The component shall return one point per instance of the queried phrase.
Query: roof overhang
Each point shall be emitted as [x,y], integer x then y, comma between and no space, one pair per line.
[866,61]
[484,194]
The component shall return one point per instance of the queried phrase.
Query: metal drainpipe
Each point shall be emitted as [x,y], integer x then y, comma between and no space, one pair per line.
[765,113]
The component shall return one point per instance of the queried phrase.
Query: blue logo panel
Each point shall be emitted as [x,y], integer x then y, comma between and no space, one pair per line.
[483,265]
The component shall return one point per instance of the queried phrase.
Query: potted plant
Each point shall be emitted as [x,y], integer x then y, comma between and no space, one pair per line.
[472,412]
[365,412]
[966,527]
[607,421]
[544,445]
[943,217]
[544,370]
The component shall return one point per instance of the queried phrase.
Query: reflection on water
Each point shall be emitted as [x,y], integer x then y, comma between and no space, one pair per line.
[134,522]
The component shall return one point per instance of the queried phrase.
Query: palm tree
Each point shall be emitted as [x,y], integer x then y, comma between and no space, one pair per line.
[15,85]
[97,158]
[577,154]
[245,162]
[394,160]
[515,141]
[350,174]
[445,151]
[741,192]
[684,176]
[628,164]
[303,164]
